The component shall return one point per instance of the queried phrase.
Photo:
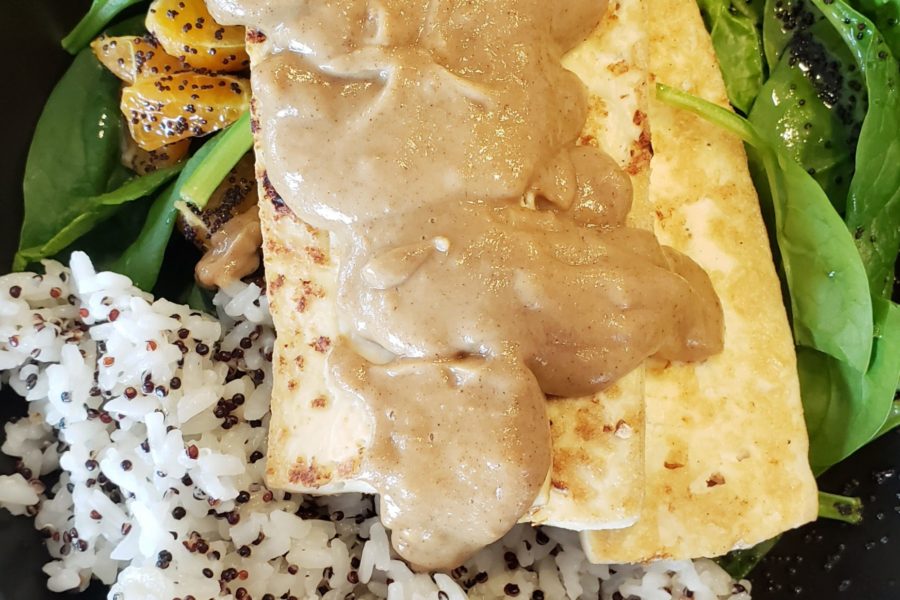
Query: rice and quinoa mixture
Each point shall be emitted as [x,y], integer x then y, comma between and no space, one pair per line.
[154,418]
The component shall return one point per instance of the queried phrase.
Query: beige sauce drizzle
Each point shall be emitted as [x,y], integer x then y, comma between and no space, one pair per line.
[414,131]
[233,252]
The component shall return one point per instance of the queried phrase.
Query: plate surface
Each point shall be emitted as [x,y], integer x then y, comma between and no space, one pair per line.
[822,561]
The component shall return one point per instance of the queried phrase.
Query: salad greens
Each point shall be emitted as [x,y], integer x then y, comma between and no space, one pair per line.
[735,25]
[74,180]
[95,210]
[74,155]
[143,259]
[873,205]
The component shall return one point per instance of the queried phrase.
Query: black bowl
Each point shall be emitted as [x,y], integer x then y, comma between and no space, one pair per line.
[824,560]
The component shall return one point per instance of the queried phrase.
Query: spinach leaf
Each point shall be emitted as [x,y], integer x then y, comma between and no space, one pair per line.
[142,260]
[873,206]
[735,28]
[101,13]
[893,420]
[780,20]
[813,104]
[739,563]
[885,14]
[790,112]
[74,151]
[845,408]
[830,302]
[95,210]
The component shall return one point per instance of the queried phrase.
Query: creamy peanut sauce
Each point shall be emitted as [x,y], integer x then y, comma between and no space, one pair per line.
[479,247]
[233,251]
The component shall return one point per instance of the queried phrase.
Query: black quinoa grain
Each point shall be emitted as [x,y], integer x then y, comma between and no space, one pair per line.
[179,513]
[175,383]
[255,456]
[243,497]
[186,480]
[202,349]
[244,551]
[126,465]
[229,574]
[15,291]
[511,589]
[353,577]
[541,538]
[130,393]
[481,577]
[207,572]
[537,595]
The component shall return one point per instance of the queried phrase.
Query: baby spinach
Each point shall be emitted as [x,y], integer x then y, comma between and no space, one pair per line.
[736,36]
[830,302]
[73,176]
[812,105]
[845,408]
[885,14]
[873,205]
[893,420]
[143,259]
[791,115]
[101,13]
[74,152]
[95,210]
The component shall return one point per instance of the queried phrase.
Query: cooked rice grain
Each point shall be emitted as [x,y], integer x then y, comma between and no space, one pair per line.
[155,417]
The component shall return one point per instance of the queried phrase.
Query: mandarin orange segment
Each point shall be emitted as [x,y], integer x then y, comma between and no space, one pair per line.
[146,161]
[170,108]
[133,57]
[187,30]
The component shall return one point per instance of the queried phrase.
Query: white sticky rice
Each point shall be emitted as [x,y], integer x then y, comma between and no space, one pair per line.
[154,418]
